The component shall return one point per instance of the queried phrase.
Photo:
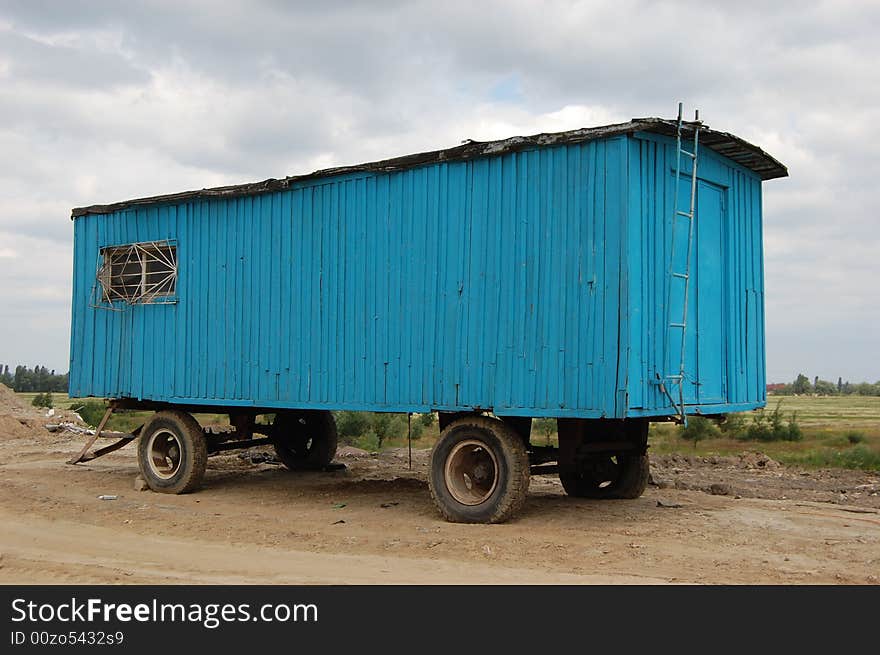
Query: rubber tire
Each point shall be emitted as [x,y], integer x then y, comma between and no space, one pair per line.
[513,461]
[631,483]
[291,432]
[194,452]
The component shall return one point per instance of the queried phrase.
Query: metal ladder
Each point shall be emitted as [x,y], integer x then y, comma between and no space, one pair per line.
[678,379]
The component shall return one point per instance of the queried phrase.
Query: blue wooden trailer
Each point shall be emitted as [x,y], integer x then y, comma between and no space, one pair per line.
[605,277]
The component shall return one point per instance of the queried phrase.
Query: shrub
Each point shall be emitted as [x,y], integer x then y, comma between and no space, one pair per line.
[351,425]
[42,400]
[772,426]
[545,426]
[858,457]
[369,430]
[854,437]
[733,426]
[387,426]
[367,442]
[699,428]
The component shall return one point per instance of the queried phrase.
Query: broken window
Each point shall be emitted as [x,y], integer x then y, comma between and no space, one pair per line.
[139,272]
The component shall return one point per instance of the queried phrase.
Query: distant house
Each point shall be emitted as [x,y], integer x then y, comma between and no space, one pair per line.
[776,386]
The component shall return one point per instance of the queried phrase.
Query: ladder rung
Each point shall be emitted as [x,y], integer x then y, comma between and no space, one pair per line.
[685,214]
[683,276]
[687,153]
[678,325]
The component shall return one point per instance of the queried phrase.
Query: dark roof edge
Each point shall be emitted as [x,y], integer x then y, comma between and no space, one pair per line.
[744,153]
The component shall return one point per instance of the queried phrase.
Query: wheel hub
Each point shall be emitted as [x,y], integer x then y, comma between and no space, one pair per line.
[471,472]
[164,450]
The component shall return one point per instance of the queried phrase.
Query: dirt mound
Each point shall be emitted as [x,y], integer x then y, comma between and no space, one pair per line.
[19,420]
[11,404]
[17,427]
[757,460]
[746,460]
[755,475]
[351,451]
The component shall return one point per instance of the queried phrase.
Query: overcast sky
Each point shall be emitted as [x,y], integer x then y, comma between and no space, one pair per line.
[104,101]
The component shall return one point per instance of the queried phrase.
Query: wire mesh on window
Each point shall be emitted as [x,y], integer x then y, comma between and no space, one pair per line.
[139,273]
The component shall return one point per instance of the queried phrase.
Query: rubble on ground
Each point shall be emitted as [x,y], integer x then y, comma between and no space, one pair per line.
[19,420]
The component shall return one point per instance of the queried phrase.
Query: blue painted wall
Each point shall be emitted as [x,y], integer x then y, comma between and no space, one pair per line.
[531,283]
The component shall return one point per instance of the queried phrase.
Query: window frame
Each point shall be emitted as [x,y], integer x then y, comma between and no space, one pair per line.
[151,286]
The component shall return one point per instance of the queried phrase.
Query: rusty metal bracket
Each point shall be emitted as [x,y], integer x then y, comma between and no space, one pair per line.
[85,456]
[82,453]
[116,445]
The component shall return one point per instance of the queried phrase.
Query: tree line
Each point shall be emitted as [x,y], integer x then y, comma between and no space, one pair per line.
[39,378]
[803,386]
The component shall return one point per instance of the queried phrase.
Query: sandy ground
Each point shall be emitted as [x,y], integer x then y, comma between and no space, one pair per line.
[374,523]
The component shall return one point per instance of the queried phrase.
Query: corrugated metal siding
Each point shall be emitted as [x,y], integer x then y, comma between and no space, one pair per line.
[741,305]
[489,283]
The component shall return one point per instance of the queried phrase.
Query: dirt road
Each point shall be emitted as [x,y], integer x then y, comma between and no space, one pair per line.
[374,523]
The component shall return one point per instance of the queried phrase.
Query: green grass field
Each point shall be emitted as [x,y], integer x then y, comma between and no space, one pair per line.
[839,431]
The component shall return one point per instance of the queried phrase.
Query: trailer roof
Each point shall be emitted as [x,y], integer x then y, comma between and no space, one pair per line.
[738,150]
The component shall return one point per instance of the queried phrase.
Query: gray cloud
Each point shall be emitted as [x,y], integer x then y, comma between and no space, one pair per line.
[101,101]
[63,66]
